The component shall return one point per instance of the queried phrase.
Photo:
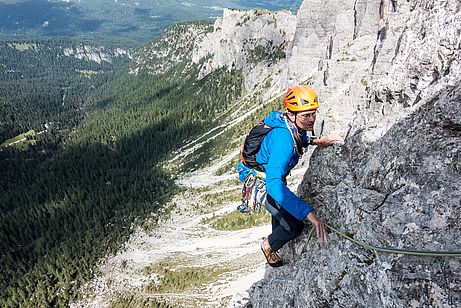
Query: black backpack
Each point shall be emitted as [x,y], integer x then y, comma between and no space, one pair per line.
[252,145]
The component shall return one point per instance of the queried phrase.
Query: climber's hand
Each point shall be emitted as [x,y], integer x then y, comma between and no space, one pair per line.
[319,227]
[328,140]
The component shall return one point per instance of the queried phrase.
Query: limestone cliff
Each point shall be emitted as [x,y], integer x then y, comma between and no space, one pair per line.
[397,179]
[255,41]
[96,54]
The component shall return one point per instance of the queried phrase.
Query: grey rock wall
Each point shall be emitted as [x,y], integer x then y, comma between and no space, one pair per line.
[416,56]
[404,190]
[396,181]
[96,54]
[332,50]
[254,41]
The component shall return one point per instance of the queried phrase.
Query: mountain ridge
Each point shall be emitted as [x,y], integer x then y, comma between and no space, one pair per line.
[395,78]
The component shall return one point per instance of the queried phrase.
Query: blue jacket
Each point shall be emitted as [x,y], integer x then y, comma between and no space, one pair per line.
[278,156]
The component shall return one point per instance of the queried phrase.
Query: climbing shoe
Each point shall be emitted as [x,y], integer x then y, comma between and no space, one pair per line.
[273,259]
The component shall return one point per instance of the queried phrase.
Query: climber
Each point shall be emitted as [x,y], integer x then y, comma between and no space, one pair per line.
[280,151]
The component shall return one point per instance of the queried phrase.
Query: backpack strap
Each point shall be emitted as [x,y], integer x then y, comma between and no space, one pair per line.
[296,140]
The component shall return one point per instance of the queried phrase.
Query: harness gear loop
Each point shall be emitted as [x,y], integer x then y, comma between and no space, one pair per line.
[254,193]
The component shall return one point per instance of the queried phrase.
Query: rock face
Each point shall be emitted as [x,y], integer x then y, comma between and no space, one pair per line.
[401,191]
[332,49]
[396,182]
[255,41]
[96,54]
[173,46]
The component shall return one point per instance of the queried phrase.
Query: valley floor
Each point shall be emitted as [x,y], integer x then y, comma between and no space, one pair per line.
[185,241]
[183,261]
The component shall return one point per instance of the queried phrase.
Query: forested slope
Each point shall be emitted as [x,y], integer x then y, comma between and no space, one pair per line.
[41,82]
[68,201]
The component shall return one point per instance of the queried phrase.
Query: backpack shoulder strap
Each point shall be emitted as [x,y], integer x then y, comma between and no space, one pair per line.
[296,141]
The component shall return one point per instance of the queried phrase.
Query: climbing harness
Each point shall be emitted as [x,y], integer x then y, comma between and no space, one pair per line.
[254,193]
[424,253]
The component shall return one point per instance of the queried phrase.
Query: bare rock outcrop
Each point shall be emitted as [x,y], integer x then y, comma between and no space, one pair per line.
[396,181]
[401,191]
[96,54]
[254,41]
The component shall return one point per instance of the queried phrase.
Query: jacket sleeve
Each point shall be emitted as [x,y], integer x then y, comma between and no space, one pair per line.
[281,145]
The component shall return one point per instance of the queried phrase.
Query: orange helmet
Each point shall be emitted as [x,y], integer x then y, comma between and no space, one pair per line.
[300,98]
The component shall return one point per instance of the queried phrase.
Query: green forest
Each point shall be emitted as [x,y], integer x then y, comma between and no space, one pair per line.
[40,84]
[75,196]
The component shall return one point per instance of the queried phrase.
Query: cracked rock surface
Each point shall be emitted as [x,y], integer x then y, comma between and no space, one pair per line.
[403,190]
[396,182]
